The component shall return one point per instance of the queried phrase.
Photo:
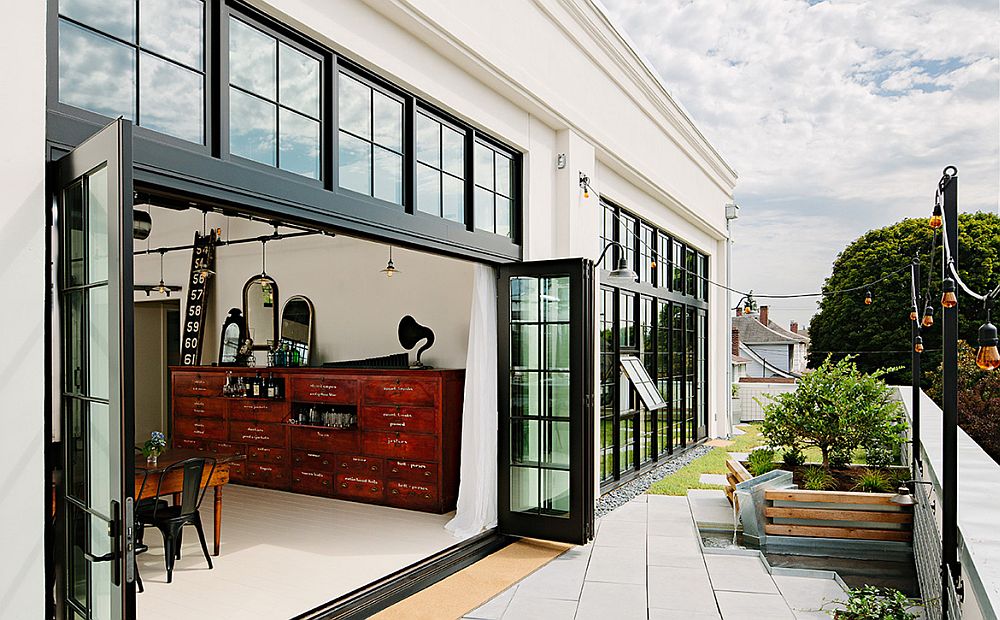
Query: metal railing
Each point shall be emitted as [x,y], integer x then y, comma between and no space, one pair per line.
[927,557]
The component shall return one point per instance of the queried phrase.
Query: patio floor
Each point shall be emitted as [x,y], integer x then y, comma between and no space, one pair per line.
[647,563]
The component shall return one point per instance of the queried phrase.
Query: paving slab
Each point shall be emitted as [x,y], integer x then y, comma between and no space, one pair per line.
[667,550]
[683,589]
[737,573]
[673,614]
[617,565]
[710,507]
[621,601]
[524,607]
[495,607]
[739,456]
[630,511]
[561,579]
[621,534]
[719,479]
[810,593]
[753,606]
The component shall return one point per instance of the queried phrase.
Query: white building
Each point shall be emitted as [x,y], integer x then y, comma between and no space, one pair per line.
[476,139]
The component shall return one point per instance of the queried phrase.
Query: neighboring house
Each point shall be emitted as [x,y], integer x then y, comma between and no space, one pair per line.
[771,350]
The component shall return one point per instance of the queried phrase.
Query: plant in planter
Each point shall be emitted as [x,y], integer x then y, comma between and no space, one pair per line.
[873,481]
[836,408]
[760,461]
[818,479]
[792,458]
[871,603]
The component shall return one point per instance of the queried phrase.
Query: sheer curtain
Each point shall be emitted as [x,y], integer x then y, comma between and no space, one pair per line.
[477,488]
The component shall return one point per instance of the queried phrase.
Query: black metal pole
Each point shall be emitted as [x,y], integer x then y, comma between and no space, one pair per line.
[949,479]
[915,367]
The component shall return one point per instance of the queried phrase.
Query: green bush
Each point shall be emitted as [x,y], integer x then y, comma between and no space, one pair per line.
[793,457]
[818,479]
[760,461]
[839,459]
[871,603]
[836,408]
[873,481]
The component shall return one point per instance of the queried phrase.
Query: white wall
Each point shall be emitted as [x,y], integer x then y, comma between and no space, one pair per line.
[23,484]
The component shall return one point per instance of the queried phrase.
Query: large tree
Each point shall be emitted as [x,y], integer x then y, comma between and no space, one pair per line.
[880,333]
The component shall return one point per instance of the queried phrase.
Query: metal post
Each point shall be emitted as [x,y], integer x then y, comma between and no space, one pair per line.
[915,368]
[949,479]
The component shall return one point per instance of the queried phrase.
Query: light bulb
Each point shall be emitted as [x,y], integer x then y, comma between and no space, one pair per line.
[913,313]
[988,358]
[868,298]
[935,221]
[928,317]
[586,193]
[948,299]
[747,309]
[918,345]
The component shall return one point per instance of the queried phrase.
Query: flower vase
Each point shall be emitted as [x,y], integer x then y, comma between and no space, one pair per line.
[151,459]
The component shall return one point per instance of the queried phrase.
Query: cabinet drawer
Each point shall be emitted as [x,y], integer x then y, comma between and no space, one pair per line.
[323,440]
[237,469]
[401,391]
[411,495]
[200,428]
[267,475]
[197,384]
[258,410]
[313,460]
[257,433]
[261,454]
[200,407]
[359,465]
[183,443]
[411,471]
[325,390]
[404,446]
[312,481]
[359,486]
[408,419]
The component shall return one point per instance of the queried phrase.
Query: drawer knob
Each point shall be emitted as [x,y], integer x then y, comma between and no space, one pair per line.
[298,479]
[343,485]
[374,489]
[395,491]
[427,473]
[343,465]
[326,462]
[326,483]
[395,471]
[374,467]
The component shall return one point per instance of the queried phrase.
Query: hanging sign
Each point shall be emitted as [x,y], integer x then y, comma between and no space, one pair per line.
[202,265]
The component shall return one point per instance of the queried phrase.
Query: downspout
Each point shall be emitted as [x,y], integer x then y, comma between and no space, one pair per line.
[732,212]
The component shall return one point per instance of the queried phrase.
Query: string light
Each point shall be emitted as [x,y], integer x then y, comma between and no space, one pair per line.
[914,313]
[988,358]
[936,221]
[948,298]
[918,344]
[928,320]
[868,298]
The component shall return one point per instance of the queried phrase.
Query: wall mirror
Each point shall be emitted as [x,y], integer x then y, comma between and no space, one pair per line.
[234,332]
[296,326]
[260,308]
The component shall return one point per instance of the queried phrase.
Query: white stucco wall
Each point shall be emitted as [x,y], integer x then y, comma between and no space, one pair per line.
[23,488]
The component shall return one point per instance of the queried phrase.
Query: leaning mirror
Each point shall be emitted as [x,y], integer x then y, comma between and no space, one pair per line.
[296,327]
[234,332]
[260,308]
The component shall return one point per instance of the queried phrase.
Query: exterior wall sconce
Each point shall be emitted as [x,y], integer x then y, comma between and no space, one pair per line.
[585,186]
[621,273]
[561,161]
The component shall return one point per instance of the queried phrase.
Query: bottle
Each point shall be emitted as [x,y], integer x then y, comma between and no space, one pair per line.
[255,386]
[272,387]
[295,357]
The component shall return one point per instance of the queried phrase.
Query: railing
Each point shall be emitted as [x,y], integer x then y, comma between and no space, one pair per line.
[927,552]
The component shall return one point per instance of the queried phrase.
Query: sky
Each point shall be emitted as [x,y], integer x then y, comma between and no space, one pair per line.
[838,116]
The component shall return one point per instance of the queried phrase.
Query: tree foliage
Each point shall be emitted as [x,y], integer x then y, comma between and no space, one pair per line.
[836,408]
[880,333]
[978,399]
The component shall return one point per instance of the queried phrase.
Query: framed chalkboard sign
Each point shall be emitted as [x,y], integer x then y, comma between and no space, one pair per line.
[643,383]
[202,268]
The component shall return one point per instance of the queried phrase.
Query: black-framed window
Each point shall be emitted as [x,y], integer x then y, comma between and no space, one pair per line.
[663,347]
[690,379]
[627,237]
[370,139]
[494,194]
[691,271]
[608,226]
[703,274]
[663,261]
[275,100]
[677,372]
[609,370]
[440,153]
[647,355]
[702,371]
[677,267]
[647,256]
[144,61]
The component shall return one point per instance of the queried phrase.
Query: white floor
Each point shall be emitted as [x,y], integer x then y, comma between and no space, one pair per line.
[283,554]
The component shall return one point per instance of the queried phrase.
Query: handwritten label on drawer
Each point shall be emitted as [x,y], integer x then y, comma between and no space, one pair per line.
[361,480]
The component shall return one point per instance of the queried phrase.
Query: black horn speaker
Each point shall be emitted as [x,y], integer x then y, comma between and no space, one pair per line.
[410,333]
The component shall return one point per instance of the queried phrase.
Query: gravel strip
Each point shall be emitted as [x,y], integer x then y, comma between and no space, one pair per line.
[640,485]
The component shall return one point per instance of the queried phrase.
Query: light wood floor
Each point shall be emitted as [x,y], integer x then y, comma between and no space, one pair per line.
[283,554]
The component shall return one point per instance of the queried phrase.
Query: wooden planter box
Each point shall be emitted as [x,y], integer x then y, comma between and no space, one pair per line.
[836,514]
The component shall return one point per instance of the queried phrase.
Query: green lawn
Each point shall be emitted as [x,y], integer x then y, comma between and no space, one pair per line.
[688,477]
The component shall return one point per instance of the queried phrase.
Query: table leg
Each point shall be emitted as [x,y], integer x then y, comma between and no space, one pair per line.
[218,518]
[177,499]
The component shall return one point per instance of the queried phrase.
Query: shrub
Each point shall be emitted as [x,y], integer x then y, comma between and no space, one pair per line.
[840,459]
[793,457]
[760,461]
[872,481]
[871,603]
[879,455]
[836,408]
[818,479]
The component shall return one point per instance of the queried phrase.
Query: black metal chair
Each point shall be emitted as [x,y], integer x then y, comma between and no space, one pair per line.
[170,520]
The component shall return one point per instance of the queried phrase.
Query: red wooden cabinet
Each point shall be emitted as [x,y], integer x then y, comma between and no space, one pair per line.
[400,447]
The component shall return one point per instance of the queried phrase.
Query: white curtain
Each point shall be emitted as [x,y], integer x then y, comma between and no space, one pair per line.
[477,488]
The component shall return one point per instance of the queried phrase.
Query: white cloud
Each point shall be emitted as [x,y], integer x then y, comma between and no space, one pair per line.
[839,116]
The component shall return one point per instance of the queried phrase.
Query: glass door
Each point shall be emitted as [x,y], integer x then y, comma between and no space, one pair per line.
[94,196]
[545,318]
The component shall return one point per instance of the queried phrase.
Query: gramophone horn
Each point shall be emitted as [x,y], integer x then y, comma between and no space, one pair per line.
[411,332]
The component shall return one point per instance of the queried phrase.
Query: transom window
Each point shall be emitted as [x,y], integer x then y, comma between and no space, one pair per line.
[440,168]
[144,61]
[494,174]
[370,140]
[274,101]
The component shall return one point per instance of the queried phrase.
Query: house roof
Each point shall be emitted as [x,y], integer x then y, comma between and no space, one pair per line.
[739,359]
[752,331]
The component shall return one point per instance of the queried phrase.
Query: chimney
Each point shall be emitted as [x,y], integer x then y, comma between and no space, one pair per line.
[794,327]
[736,342]
[763,315]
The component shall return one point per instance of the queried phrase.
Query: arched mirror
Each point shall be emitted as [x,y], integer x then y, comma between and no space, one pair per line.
[260,307]
[296,326]
[234,332]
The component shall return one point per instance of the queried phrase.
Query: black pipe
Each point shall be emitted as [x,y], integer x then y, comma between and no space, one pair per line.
[915,369]
[949,479]
[262,238]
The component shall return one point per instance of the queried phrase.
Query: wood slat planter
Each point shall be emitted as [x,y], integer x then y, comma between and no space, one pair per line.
[836,514]
[736,474]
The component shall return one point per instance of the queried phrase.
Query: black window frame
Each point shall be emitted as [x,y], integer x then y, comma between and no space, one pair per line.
[467,135]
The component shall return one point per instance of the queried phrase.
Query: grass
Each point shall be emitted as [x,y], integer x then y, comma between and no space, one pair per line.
[689,476]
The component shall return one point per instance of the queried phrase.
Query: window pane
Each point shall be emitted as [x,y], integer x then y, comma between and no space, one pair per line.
[388,122]
[484,210]
[251,127]
[115,17]
[98,353]
[95,73]
[428,190]
[355,106]
[503,175]
[174,29]
[388,176]
[484,166]
[298,144]
[298,80]
[453,152]
[453,199]
[355,164]
[503,226]
[172,99]
[252,59]
[428,141]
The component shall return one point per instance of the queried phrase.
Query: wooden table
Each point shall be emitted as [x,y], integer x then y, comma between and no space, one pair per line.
[172,484]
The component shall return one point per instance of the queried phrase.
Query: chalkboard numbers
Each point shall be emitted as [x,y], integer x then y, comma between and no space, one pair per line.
[202,265]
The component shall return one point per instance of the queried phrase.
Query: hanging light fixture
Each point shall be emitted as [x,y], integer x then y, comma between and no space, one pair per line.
[914,313]
[622,273]
[204,270]
[928,319]
[585,185]
[868,298]
[988,358]
[161,287]
[948,299]
[390,269]
[936,221]
[918,344]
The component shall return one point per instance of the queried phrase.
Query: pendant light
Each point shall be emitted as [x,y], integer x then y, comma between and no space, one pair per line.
[936,221]
[914,314]
[988,358]
[390,269]
[161,287]
[928,319]
[948,298]
[263,279]
[918,344]
[622,274]
[868,298]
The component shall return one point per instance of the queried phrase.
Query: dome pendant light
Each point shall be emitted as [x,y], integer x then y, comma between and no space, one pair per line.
[988,358]
[948,299]
[390,269]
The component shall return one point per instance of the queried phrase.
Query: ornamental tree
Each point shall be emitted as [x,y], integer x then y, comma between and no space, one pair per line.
[838,409]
